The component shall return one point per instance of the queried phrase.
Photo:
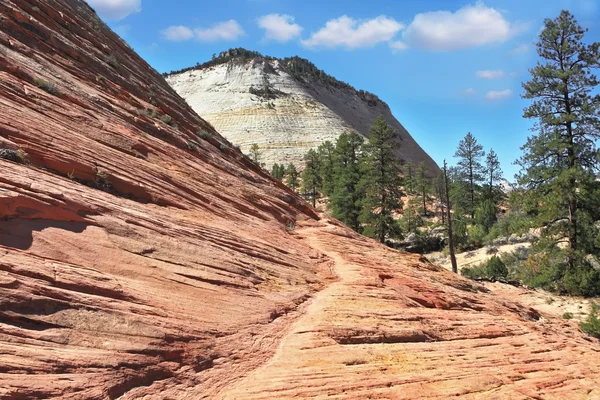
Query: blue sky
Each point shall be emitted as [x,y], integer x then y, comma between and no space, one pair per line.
[444,67]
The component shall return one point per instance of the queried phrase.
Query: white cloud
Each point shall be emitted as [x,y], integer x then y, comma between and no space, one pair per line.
[470,26]
[279,27]
[398,45]
[223,31]
[490,74]
[115,10]
[178,33]
[226,31]
[468,92]
[498,94]
[351,34]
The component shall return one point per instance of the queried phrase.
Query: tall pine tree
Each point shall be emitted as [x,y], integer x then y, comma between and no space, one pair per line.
[423,185]
[493,175]
[347,196]
[292,176]
[326,150]
[382,182]
[311,176]
[560,158]
[469,166]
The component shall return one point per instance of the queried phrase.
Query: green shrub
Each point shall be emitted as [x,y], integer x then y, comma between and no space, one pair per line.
[495,268]
[192,146]
[476,272]
[591,326]
[166,119]
[512,223]
[547,268]
[485,216]
[46,86]
[111,60]
[17,156]
[204,135]
[567,315]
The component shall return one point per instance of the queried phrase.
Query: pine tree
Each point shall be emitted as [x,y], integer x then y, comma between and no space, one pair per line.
[255,153]
[326,150]
[347,197]
[493,174]
[560,158]
[409,177]
[278,171]
[423,185]
[449,221]
[382,182]
[292,176]
[469,166]
[440,189]
[311,176]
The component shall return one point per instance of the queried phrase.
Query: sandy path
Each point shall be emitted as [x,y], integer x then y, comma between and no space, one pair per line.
[393,327]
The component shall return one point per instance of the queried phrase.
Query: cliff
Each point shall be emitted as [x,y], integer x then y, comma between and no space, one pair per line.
[286,106]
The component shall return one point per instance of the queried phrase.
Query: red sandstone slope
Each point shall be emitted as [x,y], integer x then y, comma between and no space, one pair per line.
[140,259]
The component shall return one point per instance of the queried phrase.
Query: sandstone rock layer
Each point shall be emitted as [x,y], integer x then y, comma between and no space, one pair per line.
[140,259]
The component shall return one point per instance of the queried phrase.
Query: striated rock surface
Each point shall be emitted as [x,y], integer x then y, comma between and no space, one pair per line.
[300,113]
[142,260]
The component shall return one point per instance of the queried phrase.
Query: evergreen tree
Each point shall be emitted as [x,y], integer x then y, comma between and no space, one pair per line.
[347,197]
[493,174]
[278,171]
[255,153]
[449,221]
[560,158]
[326,151]
[409,177]
[459,189]
[440,190]
[292,176]
[469,166]
[486,215]
[382,182]
[311,176]
[423,185]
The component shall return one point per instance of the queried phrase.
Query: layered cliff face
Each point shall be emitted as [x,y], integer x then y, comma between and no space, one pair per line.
[141,256]
[295,113]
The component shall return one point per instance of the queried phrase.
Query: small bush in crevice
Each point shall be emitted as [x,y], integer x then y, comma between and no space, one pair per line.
[204,135]
[223,147]
[591,325]
[101,182]
[46,86]
[17,156]
[167,120]
[148,113]
[111,60]
[192,146]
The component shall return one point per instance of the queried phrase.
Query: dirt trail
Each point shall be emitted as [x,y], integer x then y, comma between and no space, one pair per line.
[395,327]
[305,331]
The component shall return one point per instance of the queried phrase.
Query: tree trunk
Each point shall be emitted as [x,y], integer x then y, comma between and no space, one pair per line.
[572,162]
[449,219]
[472,187]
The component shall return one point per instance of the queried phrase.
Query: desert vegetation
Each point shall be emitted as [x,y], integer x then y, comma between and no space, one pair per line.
[553,206]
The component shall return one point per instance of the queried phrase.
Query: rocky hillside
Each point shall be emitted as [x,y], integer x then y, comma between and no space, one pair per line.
[286,106]
[142,257]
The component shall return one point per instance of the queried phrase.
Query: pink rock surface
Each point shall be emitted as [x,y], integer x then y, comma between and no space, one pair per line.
[144,260]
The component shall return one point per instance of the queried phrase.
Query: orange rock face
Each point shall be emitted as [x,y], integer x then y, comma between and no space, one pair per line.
[141,256]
